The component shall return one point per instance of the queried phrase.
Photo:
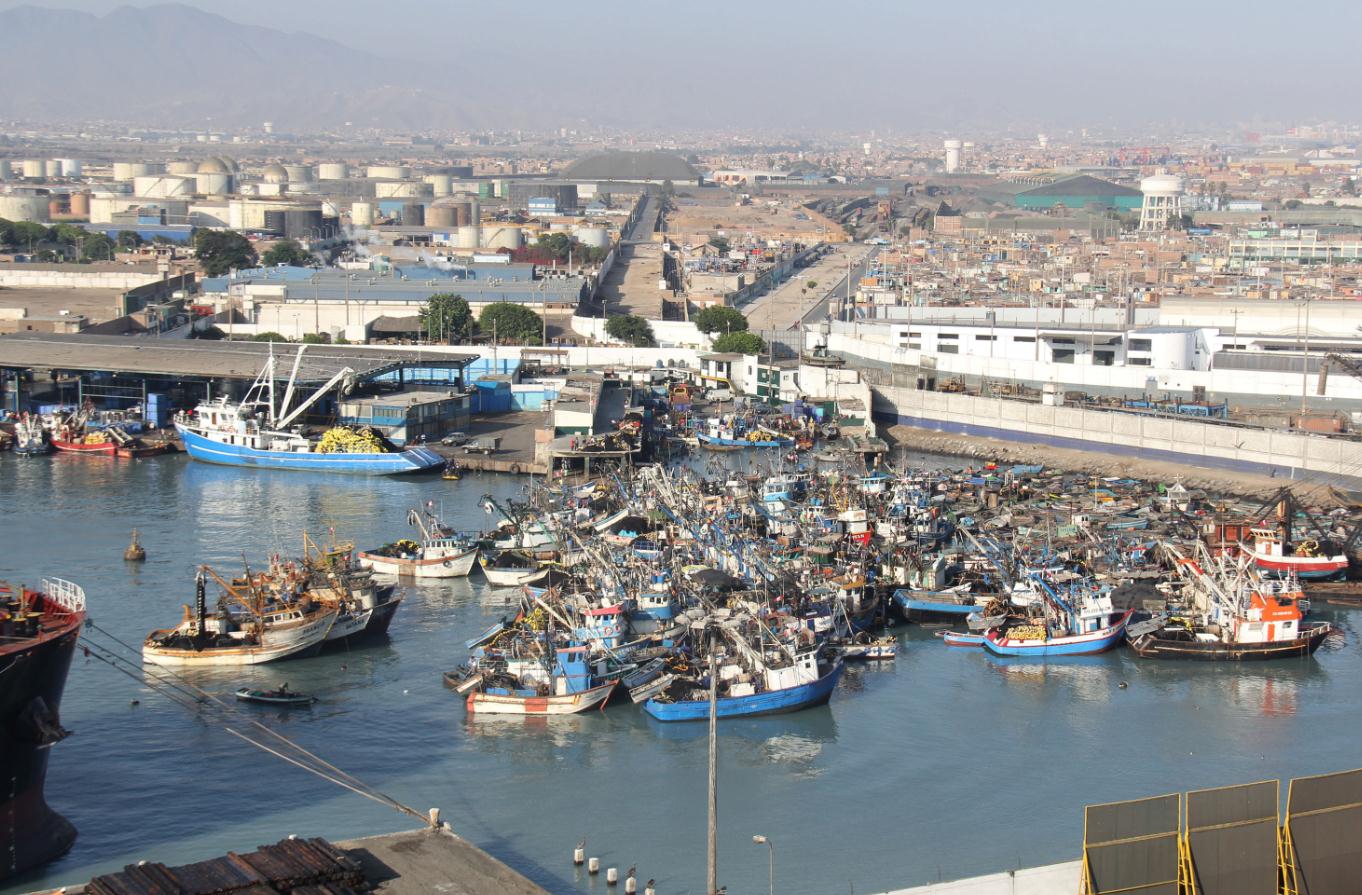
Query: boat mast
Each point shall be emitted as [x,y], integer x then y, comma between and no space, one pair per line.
[713,844]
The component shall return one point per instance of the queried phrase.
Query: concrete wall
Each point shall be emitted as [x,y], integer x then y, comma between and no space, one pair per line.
[49,278]
[1218,445]
[666,332]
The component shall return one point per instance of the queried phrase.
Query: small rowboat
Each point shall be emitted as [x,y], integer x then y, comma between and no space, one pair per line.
[955,638]
[282,696]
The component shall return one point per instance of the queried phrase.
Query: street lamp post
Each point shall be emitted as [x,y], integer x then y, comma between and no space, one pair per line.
[770,861]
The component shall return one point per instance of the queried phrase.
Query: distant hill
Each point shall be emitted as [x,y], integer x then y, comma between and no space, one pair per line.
[177,65]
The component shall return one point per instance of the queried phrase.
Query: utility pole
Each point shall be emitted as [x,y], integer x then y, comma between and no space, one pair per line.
[713,852]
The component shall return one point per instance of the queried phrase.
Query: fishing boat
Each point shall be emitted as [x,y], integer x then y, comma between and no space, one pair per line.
[440,553]
[68,441]
[39,632]
[264,633]
[568,688]
[959,639]
[260,431]
[1080,622]
[30,436]
[280,697]
[728,440]
[1236,614]
[508,568]
[1268,552]
[866,649]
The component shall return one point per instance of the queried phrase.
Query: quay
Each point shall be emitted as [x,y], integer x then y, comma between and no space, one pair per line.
[1052,879]
[414,862]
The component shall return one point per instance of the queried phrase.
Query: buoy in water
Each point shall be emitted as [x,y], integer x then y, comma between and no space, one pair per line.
[135,552]
[612,876]
[1123,685]
[593,865]
[648,889]
[630,885]
[579,855]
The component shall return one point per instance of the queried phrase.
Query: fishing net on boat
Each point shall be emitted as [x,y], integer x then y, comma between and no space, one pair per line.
[344,440]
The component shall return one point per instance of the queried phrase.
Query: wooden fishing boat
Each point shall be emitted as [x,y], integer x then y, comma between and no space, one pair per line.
[441,553]
[568,688]
[694,704]
[280,697]
[508,569]
[958,639]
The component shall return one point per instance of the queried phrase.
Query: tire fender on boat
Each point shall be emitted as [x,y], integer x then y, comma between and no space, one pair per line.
[515,469]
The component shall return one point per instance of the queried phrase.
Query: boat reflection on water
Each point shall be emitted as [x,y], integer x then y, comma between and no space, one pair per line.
[1085,678]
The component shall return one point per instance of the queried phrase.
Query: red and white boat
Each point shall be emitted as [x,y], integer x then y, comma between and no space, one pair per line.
[1269,553]
[499,685]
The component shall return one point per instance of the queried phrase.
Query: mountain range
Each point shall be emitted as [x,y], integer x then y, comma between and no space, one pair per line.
[175,65]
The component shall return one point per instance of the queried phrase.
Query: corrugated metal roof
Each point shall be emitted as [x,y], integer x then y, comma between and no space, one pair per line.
[1082,185]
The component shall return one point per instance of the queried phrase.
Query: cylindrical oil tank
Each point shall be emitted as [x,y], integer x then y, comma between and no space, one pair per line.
[413,215]
[440,184]
[401,189]
[303,223]
[361,214]
[80,205]
[34,169]
[388,172]
[463,216]
[23,208]
[162,186]
[213,184]
[299,173]
[71,167]
[506,238]
[474,212]
[51,168]
[131,170]
[182,167]
[274,221]
[487,189]
[55,208]
[593,237]
[333,171]
[6,171]
[468,237]
[441,216]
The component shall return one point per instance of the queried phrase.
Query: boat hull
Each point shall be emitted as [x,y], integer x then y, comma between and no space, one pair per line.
[108,448]
[926,605]
[1152,646]
[716,443]
[768,703]
[304,640]
[1074,645]
[458,566]
[510,704]
[35,676]
[957,639]
[396,463]
[1312,568]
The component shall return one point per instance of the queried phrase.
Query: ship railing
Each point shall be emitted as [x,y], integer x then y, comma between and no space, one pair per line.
[67,595]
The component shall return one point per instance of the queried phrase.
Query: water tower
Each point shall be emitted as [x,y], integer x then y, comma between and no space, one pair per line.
[1162,201]
[953,148]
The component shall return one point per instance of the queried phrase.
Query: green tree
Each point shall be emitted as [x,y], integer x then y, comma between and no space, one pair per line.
[287,251]
[720,319]
[28,233]
[315,339]
[723,245]
[130,239]
[446,318]
[68,234]
[268,337]
[812,284]
[96,247]
[6,232]
[510,322]
[740,343]
[632,329]
[219,251]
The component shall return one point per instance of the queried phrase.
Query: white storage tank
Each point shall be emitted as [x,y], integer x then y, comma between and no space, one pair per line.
[388,172]
[211,184]
[6,172]
[34,169]
[440,184]
[70,167]
[51,168]
[131,170]
[299,173]
[401,189]
[593,237]
[23,208]
[362,214]
[506,238]
[468,237]
[333,171]
[182,168]
[161,186]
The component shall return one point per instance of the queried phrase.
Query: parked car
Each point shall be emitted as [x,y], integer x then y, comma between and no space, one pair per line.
[454,438]
[719,394]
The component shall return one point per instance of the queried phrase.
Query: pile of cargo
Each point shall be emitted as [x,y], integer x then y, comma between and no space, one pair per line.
[344,440]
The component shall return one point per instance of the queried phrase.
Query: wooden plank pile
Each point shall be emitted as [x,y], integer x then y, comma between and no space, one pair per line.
[292,866]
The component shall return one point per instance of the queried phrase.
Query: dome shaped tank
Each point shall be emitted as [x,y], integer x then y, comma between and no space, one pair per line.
[593,237]
[333,171]
[361,214]
[209,166]
[274,174]
[213,183]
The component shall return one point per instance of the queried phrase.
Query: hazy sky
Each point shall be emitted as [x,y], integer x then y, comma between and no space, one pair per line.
[889,64]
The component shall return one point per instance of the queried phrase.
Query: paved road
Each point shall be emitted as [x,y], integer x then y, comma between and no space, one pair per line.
[838,290]
[643,228]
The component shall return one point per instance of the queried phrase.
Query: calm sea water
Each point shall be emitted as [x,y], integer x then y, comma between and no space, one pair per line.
[944,764]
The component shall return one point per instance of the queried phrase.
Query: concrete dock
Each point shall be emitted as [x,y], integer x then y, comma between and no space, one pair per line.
[1053,879]
[423,861]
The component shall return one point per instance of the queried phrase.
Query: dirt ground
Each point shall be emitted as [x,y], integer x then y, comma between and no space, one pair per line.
[1220,481]
[707,212]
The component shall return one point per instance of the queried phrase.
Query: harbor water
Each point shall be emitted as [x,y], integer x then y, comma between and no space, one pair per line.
[942,764]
